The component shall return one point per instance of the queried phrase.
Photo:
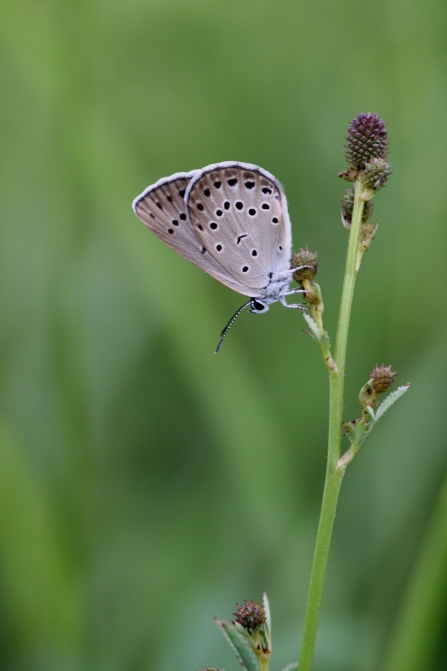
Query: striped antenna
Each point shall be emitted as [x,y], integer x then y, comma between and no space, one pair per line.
[223,335]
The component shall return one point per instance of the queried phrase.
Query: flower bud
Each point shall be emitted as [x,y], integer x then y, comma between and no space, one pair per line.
[382,378]
[367,138]
[250,616]
[375,174]
[306,263]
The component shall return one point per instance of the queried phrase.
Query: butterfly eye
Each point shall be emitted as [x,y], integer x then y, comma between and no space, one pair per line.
[257,307]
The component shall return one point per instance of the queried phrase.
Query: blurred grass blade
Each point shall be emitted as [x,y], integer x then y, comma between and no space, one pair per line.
[419,630]
[32,563]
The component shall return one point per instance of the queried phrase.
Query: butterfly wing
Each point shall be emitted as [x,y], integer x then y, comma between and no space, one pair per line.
[239,213]
[161,207]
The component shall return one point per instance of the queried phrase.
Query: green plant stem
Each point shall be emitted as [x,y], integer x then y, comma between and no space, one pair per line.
[263,664]
[330,496]
[349,281]
[261,649]
[334,474]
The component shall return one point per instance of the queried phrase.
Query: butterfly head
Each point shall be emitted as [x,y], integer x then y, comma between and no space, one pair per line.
[257,306]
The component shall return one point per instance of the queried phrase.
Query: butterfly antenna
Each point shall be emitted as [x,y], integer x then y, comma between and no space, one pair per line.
[223,335]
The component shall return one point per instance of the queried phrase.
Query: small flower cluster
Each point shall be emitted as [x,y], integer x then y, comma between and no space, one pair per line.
[250,616]
[382,377]
[366,151]
[367,139]
[306,264]
[376,173]
[249,634]
[252,625]
[380,380]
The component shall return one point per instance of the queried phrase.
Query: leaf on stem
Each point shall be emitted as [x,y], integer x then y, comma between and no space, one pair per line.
[314,330]
[268,620]
[389,401]
[240,645]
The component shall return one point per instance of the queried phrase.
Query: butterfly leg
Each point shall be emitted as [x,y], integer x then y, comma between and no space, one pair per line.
[300,306]
[292,271]
[295,291]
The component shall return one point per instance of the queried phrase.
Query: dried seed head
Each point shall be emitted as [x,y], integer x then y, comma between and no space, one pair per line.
[347,206]
[250,616]
[367,139]
[306,263]
[382,378]
[376,173]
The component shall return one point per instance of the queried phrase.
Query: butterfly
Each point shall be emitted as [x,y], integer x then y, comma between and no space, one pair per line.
[230,219]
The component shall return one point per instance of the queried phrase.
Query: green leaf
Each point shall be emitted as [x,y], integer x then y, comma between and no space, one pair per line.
[390,400]
[314,330]
[370,413]
[240,645]
[268,619]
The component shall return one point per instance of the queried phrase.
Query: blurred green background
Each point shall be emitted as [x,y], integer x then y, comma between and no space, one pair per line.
[146,485]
